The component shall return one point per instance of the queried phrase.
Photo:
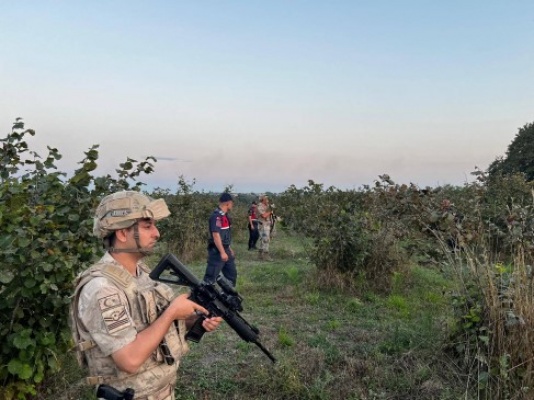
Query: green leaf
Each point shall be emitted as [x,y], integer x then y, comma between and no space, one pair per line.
[79,177]
[47,339]
[15,367]
[127,166]
[74,217]
[52,364]
[23,340]
[483,378]
[38,377]
[90,166]
[92,154]
[5,241]
[44,322]
[23,242]
[47,267]
[6,277]
[484,339]
[29,283]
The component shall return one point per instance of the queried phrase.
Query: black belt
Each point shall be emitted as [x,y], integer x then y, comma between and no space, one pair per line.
[212,246]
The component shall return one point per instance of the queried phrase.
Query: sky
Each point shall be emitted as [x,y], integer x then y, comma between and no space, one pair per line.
[261,95]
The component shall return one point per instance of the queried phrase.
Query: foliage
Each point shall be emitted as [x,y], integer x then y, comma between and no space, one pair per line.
[519,155]
[485,232]
[473,231]
[185,232]
[481,236]
[45,236]
[492,337]
[350,237]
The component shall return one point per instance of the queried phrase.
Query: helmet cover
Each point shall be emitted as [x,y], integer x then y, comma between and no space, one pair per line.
[122,210]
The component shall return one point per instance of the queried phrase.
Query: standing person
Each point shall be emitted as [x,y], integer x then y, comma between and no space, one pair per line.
[253,232]
[264,218]
[221,257]
[129,330]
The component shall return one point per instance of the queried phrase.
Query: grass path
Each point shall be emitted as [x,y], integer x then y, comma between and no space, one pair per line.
[329,345]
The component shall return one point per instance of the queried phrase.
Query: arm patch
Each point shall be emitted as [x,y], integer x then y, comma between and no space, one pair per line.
[114,314]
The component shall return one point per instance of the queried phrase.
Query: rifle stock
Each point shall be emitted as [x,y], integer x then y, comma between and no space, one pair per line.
[222,301]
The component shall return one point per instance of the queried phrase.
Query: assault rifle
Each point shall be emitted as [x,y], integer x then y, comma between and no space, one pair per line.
[220,301]
[273,218]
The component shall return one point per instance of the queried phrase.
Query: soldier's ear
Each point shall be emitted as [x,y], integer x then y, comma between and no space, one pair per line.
[121,235]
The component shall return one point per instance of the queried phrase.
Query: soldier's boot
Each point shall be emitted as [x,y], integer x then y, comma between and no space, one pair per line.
[266,256]
[260,254]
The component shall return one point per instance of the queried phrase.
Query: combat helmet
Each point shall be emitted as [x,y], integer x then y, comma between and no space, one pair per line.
[122,210]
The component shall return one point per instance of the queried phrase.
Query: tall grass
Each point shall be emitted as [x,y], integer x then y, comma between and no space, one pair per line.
[494,334]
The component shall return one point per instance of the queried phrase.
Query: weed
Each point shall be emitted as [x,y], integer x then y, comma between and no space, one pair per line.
[354,304]
[332,325]
[312,298]
[399,304]
[293,275]
[285,339]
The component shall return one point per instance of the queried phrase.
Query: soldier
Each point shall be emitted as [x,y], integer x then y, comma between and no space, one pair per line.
[221,257]
[129,330]
[264,219]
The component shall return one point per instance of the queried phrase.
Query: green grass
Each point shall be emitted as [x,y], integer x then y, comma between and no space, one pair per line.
[329,345]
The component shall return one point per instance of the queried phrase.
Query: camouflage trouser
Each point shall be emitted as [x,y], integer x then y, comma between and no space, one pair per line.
[265,236]
[167,393]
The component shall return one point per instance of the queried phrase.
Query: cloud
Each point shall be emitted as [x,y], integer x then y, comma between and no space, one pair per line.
[160,158]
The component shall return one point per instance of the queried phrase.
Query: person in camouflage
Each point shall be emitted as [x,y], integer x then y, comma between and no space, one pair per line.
[265,224]
[129,331]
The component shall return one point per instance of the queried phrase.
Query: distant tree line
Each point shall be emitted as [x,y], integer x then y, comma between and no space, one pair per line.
[519,157]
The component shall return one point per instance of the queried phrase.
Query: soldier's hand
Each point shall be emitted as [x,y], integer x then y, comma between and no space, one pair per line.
[210,324]
[182,308]
[224,256]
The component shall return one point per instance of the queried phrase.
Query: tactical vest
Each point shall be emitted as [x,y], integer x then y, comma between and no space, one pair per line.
[145,304]
[224,222]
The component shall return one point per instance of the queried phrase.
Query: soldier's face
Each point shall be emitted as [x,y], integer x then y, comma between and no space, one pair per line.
[148,233]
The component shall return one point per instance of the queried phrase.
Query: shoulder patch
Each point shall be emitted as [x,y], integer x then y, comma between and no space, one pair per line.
[114,314]
[109,302]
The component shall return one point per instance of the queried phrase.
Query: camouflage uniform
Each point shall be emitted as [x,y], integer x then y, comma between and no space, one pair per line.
[110,307]
[264,228]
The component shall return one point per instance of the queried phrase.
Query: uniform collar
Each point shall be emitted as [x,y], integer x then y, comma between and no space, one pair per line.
[108,259]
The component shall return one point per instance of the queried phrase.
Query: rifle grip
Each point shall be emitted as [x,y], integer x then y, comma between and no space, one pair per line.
[197,330]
